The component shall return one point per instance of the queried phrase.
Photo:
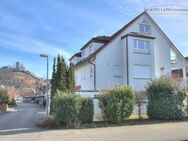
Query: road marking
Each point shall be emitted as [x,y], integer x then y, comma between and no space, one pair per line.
[25,110]
[17,129]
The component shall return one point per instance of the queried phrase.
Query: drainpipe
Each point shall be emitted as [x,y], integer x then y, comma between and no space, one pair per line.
[127,55]
[94,66]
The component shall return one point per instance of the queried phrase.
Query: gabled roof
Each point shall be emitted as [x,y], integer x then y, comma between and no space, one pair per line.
[116,34]
[111,38]
[98,39]
[136,34]
[174,47]
[78,54]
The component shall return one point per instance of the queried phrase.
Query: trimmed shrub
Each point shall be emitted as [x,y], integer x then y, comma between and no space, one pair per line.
[86,110]
[165,99]
[117,104]
[70,109]
[66,108]
[4,97]
[12,102]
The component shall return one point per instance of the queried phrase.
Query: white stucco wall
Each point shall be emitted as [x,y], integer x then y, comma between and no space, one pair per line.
[111,60]
[106,62]
[83,78]
[114,54]
[180,63]
[139,59]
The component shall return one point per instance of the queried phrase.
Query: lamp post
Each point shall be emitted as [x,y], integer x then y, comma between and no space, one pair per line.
[47,85]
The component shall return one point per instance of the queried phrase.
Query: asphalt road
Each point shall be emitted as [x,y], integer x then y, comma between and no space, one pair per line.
[23,116]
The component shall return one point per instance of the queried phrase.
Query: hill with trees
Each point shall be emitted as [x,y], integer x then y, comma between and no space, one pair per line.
[18,82]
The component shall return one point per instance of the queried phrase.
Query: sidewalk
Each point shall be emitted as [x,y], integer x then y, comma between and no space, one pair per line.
[153,132]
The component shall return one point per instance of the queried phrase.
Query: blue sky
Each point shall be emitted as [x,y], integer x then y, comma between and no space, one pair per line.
[31,27]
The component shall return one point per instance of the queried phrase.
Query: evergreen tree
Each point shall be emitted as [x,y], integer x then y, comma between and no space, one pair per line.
[61,74]
[53,80]
[53,84]
[71,79]
[57,78]
[67,78]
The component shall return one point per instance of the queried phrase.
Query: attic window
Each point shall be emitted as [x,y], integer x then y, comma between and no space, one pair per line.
[145,27]
[173,57]
[144,22]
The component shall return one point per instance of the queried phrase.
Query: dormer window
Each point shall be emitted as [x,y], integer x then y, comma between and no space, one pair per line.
[145,27]
[83,54]
[90,49]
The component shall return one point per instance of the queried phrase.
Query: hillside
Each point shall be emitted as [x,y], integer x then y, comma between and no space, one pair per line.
[18,82]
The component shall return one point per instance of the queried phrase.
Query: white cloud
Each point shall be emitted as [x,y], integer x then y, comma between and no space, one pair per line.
[31,45]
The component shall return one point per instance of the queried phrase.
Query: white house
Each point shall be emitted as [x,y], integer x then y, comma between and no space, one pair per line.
[138,52]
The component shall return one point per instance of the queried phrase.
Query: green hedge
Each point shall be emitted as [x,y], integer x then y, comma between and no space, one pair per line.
[66,108]
[165,100]
[116,104]
[4,97]
[71,109]
[86,110]
[12,102]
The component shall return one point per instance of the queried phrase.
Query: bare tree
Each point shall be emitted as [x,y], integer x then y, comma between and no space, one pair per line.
[140,96]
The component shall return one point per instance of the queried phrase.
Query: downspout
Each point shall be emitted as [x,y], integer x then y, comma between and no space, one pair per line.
[127,55]
[94,66]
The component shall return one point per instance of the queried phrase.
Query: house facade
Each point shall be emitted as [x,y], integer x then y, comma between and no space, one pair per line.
[137,53]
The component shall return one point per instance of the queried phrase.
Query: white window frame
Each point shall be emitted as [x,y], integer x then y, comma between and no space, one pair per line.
[136,76]
[145,26]
[173,57]
[145,49]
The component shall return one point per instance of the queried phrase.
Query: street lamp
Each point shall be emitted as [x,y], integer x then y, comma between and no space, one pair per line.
[47,85]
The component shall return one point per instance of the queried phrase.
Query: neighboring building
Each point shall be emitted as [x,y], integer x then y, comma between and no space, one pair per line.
[5,68]
[17,65]
[137,53]
[2,86]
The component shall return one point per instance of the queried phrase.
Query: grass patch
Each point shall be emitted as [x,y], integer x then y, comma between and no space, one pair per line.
[135,116]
